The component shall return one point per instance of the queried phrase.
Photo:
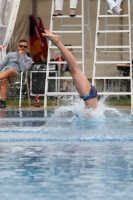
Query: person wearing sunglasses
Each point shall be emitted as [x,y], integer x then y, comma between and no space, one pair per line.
[11,67]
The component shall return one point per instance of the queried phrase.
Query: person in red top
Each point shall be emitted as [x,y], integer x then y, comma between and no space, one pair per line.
[58,58]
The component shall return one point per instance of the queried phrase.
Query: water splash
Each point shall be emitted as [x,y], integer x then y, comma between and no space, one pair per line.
[77,107]
[103,108]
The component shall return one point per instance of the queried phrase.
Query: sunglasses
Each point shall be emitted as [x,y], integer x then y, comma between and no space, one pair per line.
[22,46]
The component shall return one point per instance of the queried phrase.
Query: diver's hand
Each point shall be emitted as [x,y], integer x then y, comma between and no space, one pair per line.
[21,52]
[55,39]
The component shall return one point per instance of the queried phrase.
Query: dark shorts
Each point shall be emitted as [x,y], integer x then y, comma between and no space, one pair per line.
[91,95]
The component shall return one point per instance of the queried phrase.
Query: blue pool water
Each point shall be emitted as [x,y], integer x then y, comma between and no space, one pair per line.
[62,154]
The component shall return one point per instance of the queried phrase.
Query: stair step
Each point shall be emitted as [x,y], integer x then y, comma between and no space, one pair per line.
[112,16]
[59,77]
[74,25]
[113,77]
[113,51]
[110,47]
[116,25]
[63,62]
[113,31]
[66,31]
[111,62]
[74,47]
[67,16]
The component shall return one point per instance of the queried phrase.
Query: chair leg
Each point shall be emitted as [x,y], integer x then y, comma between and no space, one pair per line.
[20,95]
[28,92]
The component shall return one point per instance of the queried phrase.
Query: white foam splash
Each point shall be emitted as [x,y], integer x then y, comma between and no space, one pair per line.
[102,108]
[77,107]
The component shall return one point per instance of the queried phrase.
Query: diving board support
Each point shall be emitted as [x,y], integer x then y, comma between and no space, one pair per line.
[79,30]
[113,48]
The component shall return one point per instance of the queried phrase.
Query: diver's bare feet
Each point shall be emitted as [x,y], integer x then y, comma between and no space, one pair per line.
[55,39]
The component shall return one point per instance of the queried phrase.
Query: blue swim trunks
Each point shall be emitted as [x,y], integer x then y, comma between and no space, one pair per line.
[91,95]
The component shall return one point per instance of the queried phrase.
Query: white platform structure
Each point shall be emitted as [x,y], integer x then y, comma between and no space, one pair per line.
[108,49]
[79,30]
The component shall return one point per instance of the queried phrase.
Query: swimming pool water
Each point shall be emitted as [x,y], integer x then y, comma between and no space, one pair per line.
[61,155]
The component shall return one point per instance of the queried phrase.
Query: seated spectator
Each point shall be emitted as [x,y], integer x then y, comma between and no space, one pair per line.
[59,5]
[114,7]
[12,65]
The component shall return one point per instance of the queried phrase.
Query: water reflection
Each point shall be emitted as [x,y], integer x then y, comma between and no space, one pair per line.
[64,156]
[66,171]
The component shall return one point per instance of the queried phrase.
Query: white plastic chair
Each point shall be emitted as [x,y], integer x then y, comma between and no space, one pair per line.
[23,82]
[19,84]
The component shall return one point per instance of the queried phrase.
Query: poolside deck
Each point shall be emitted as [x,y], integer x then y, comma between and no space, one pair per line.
[53,107]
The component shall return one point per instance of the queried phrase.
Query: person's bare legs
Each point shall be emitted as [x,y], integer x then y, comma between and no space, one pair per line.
[81,82]
[3,89]
[10,73]
[64,85]
[4,75]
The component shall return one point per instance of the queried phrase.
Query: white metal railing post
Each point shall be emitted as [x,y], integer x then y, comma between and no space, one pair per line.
[89,27]
[96,40]
[50,47]
[20,93]
[106,48]
[83,45]
[48,58]
[45,93]
[130,42]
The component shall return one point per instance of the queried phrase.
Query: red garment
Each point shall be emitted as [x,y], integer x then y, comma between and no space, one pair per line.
[38,43]
[37,101]
[59,58]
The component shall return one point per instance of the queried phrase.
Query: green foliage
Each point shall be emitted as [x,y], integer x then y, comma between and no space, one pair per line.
[122,101]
